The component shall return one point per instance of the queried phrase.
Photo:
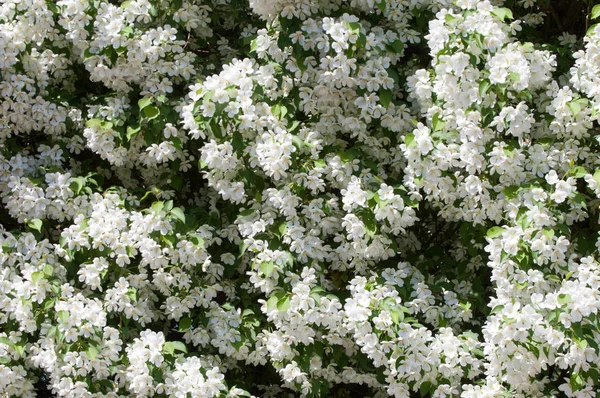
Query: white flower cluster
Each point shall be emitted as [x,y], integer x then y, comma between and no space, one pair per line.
[223,198]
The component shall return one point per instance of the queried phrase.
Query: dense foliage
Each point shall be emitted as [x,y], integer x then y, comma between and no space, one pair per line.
[323,198]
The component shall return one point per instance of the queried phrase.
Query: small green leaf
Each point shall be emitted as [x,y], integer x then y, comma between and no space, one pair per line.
[484,86]
[132,131]
[577,105]
[295,124]
[595,11]
[77,184]
[494,232]
[397,46]
[437,122]
[184,324]
[63,315]
[578,172]
[157,207]
[7,341]
[196,239]
[132,293]
[279,111]
[35,224]
[576,382]
[48,269]
[385,97]
[502,13]
[178,213]
[496,309]
[93,123]
[246,213]
[450,18]
[91,352]
[425,388]
[37,276]
[564,299]
[267,267]
[284,303]
[144,102]
[151,112]
[354,27]
[597,176]
[511,192]
[172,346]
[272,303]
[548,233]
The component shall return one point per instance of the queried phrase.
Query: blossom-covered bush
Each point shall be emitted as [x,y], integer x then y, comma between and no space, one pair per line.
[271,198]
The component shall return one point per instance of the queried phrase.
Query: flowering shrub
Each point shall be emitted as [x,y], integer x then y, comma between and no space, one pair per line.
[223,198]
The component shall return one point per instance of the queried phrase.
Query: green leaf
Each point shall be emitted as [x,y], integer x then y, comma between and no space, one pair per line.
[196,239]
[144,102]
[282,228]
[295,124]
[297,141]
[253,45]
[578,172]
[246,213]
[178,213]
[437,122]
[53,7]
[511,192]
[157,207]
[171,346]
[370,223]
[267,267]
[494,232]
[7,341]
[385,97]
[425,388]
[576,381]
[93,123]
[548,233]
[184,324]
[272,303]
[484,86]
[449,18]
[238,143]
[151,112]
[279,111]
[409,139]
[132,293]
[564,299]
[502,13]
[354,27]
[284,303]
[132,131]
[48,269]
[576,106]
[63,315]
[37,276]
[91,352]
[77,184]
[595,12]
[496,309]
[597,176]
[397,46]
[35,224]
